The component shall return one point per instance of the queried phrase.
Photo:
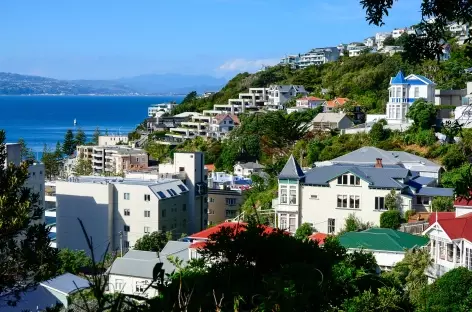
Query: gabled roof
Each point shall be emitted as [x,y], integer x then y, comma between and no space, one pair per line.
[462,201]
[455,228]
[329,117]
[291,170]
[310,98]
[411,79]
[66,283]
[250,165]
[210,167]
[336,102]
[221,117]
[381,239]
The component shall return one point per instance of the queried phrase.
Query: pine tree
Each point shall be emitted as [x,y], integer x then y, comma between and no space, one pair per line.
[52,160]
[80,137]
[26,152]
[25,255]
[83,167]
[96,136]
[68,146]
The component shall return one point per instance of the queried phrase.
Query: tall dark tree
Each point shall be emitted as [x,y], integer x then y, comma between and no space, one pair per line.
[96,135]
[80,137]
[68,146]
[25,255]
[51,161]
[26,152]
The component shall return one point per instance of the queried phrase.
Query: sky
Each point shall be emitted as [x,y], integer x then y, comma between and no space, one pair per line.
[108,39]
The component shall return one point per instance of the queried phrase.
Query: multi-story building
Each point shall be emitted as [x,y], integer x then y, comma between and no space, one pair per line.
[403,91]
[318,56]
[112,140]
[380,37]
[397,32]
[160,108]
[369,42]
[281,94]
[223,204]
[391,50]
[325,196]
[113,159]
[291,60]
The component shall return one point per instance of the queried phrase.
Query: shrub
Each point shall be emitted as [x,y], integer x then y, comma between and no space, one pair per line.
[391,219]
[454,158]
[443,204]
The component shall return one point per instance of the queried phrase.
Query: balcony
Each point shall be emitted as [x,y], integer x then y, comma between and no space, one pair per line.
[50,213]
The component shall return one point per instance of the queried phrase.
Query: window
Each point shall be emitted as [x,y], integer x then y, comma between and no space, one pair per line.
[283,221]
[450,252]
[147,230]
[349,179]
[293,195]
[230,201]
[331,226]
[211,211]
[126,244]
[314,197]
[147,213]
[127,212]
[230,213]
[126,196]
[181,169]
[163,213]
[164,228]
[380,203]
[184,207]
[291,223]
[126,228]
[417,92]
[468,258]
[147,197]
[211,200]
[442,251]
[342,201]
[119,285]
[358,181]
[205,211]
[283,194]
[399,90]
[353,201]
[422,200]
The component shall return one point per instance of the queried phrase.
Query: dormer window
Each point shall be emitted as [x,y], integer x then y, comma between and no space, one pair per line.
[349,179]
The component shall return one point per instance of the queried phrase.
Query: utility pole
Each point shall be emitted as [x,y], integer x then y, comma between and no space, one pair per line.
[121,243]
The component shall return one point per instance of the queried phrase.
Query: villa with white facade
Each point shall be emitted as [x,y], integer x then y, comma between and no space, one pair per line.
[325,196]
[278,95]
[160,108]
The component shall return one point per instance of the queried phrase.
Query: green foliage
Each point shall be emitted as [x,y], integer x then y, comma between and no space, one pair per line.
[83,167]
[153,242]
[96,135]
[451,292]
[68,146]
[52,161]
[304,231]
[159,152]
[454,158]
[423,114]
[378,133]
[354,224]
[73,261]
[390,219]
[389,41]
[384,299]
[443,204]
[80,137]
[457,177]
[26,257]
[26,152]
[392,200]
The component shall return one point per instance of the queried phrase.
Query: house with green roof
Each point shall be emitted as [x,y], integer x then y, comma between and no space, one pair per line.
[388,246]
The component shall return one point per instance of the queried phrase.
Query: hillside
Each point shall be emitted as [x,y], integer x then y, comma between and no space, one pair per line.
[364,79]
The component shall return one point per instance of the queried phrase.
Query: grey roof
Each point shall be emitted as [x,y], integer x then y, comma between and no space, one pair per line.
[369,154]
[329,117]
[435,191]
[376,177]
[291,170]
[139,263]
[424,180]
[251,165]
[67,283]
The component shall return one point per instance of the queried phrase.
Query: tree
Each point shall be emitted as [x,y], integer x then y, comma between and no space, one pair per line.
[96,135]
[68,146]
[26,152]
[304,231]
[389,41]
[454,158]
[83,167]
[384,299]
[378,133]
[443,204]
[25,255]
[423,114]
[80,138]
[152,242]
[390,219]
[354,224]
[73,261]
[51,162]
[392,200]
[159,152]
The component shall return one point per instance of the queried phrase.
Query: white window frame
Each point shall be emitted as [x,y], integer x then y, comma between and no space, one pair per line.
[126,196]
[331,225]
[283,194]
[147,213]
[127,212]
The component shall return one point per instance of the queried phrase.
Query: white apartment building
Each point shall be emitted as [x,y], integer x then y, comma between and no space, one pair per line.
[112,140]
[160,108]
[325,196]
[396,33]
[369,42]
[318,56]
[403,91]
[380,37]
[113,159]
[278,95]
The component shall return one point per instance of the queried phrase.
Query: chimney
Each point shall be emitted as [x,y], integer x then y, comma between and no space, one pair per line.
[378,163]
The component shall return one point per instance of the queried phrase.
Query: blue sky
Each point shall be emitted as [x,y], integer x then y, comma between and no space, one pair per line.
[104,39]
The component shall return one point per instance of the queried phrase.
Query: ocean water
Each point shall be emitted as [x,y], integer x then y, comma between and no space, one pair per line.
[43,120]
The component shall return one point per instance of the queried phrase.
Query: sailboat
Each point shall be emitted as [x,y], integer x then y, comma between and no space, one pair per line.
[75,122]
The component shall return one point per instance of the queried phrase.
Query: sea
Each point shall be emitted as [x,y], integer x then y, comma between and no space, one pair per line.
[41,120]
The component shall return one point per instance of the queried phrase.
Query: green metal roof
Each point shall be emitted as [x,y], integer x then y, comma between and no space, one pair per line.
[382,239]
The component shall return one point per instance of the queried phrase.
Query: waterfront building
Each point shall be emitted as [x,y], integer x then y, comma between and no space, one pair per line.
[112,140]
[161,108]
[326,196]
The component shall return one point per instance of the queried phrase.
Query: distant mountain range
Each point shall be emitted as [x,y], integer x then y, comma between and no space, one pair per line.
[153,84]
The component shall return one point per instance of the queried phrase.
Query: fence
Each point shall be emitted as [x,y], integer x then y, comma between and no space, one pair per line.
[416,228]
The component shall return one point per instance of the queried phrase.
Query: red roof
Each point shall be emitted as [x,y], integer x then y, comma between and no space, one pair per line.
[337,102]
[197,245]
[220,118]
[455,227]
[441,216]
[210,167]
[310,98]
[320,237]
[235,226]
[461,201]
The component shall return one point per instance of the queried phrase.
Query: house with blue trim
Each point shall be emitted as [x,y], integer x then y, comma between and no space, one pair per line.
[403,91]
[326,196]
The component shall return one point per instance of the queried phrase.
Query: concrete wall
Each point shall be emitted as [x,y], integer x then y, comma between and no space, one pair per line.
[111,140]
[449,97]
[217,205]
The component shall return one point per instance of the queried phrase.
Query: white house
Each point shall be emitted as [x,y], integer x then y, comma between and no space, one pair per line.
[318,56]
[247,169]
[278,95]
[403,91]
[450,236]
[111,140]
[222,124]
[325,196]
[386,245]
[369,42]
[309,102]
[396,33]
[380,37]
[132,274]
[162,107]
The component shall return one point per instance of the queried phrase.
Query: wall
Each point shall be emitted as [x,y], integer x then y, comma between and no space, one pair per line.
[217,205]
[13,153]
[36,182]
[129,285]
[449,97]
[93,209]
[111,140]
